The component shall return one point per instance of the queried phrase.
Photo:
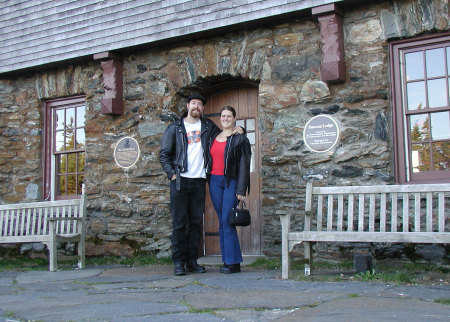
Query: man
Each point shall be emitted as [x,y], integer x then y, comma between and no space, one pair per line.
[183,149]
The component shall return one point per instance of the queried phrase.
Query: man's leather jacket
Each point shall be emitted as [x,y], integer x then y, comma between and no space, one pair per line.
[173,155]
[237,161]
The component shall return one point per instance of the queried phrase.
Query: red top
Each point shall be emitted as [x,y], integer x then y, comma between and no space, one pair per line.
[218,156]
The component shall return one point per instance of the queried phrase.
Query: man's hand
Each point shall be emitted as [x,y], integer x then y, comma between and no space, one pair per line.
[241,197]
[238,130]
[173,177]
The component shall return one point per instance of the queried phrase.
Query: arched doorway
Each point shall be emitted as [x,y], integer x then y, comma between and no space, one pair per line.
[245,101]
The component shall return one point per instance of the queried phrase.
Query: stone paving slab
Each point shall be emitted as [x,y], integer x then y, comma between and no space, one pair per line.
[152,293]
[371,309]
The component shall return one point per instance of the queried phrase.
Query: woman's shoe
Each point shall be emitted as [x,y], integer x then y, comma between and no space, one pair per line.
[223,268]
[234,268]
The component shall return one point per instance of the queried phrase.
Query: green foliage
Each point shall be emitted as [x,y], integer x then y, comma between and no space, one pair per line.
[397,277]
[266,263]
[442,301]
[23,264]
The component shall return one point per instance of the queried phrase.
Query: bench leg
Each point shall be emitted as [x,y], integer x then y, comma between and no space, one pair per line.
[308,257]
[52,248]
[285,225]
[81,253]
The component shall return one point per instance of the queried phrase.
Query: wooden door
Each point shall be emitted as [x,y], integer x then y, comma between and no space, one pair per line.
[245,102]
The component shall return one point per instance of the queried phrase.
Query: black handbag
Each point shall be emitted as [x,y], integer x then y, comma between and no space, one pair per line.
[239,216]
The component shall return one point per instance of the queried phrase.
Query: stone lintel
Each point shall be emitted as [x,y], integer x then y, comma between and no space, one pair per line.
[332,33]
[112,102]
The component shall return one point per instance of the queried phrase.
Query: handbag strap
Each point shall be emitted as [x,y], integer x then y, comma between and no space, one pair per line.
[244,205]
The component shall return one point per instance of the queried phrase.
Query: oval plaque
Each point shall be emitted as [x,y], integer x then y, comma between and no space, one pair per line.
[321,133]
[126,152]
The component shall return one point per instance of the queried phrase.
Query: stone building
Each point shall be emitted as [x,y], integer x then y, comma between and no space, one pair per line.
[78,76]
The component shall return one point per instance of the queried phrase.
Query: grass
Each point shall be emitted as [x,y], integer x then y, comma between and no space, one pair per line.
[442,301]
[388,271]
[23,263]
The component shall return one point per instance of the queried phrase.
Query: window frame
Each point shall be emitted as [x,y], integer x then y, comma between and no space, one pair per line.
[402,145]
[48,149]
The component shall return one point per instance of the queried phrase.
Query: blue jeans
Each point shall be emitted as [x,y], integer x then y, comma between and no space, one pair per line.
[224,198]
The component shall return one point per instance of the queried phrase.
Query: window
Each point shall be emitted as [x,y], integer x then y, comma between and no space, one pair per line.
[421,114]
[64,148]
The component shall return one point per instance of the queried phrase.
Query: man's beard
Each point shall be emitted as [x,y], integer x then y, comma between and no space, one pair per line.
[195,113]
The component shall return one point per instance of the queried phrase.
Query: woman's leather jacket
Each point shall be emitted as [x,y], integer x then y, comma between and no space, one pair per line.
[237,161]
[173,155]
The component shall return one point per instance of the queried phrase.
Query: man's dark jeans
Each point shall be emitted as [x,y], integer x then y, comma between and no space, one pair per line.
[187,206]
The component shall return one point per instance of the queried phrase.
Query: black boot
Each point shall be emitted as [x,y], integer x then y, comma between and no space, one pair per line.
[178,269]
[192,266]
[234,268]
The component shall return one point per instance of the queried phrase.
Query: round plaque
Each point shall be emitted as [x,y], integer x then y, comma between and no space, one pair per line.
[126,152]
[321,133]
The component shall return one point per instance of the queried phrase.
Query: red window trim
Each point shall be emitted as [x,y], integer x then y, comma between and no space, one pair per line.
[47,147]
[397,124]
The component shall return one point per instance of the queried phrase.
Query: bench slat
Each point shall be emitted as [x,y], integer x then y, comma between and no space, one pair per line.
[350,212]
[361,202]
[405,217]
[394,214]
[372,212]
[383,212]
[340,218]
[441,212]
[330,213]
[319,212]
[375,237]
[417,212]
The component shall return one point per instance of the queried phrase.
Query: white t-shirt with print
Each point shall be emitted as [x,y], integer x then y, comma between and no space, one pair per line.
[196,167]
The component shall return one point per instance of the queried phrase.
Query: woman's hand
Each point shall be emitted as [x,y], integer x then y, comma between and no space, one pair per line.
[238,130]
[240,197]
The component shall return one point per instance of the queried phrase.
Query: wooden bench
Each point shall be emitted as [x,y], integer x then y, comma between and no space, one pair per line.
[48,222]
[372,214]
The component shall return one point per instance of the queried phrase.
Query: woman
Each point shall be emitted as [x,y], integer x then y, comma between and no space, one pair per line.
[229,181]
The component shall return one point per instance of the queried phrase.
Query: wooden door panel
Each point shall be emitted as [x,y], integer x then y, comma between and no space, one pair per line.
[245,102]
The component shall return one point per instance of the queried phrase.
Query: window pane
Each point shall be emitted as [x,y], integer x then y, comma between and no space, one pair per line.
[250,125]
[59,121]
[80,116]
[420,157]
[441,155]
[437,93]
[61,185]
[61,163]
[71,184]
[448,60]
[440,126]
[240,123]
[81,139]
[71,162]
[435,62]
[251,137]
[414,66]
[416,95]
[81,161]
[70,139]
[70,117]
[59,141]
[419,127]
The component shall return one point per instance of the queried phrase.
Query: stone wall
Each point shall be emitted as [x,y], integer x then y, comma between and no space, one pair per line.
[128,209]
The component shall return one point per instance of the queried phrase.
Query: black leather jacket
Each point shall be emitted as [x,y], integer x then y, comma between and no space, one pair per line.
[173,155]
[237,161]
